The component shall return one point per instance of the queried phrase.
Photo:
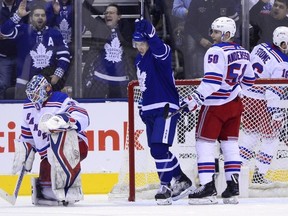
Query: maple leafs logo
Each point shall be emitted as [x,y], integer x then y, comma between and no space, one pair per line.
[114,51]
[141,79]
[65,30]
[41,58]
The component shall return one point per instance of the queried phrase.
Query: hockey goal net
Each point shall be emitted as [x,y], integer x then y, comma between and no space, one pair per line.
[138,176]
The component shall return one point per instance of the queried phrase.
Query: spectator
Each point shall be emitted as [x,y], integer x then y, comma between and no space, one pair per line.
[179,15]
[110,65]
[7,49]
[44,48]
[180,8]
[197,40]
[265,23]
[60,14]
[266,8]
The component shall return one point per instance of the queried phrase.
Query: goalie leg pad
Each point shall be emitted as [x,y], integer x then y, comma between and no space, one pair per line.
[24,153]
[64,157]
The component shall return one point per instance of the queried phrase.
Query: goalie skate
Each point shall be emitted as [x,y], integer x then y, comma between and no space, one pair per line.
[37,196]
[163,196]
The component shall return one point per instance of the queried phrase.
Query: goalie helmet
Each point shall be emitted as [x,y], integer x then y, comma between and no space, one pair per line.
[37,91]
[280,35]
[224,24]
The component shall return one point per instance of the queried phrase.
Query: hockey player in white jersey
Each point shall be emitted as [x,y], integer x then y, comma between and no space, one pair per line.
[53,125]
[158,89]
[227,70]
[264,117]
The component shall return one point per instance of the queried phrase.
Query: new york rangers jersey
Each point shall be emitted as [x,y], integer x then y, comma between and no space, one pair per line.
[227,70]
[37,49]
[57,103]
[156,78]
[268,62]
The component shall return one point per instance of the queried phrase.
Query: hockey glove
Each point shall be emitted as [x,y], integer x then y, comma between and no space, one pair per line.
[61,122]
[193,101]
[24,155]
[145,27]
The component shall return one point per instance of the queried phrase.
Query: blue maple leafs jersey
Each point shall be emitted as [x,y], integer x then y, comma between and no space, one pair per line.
[155,77]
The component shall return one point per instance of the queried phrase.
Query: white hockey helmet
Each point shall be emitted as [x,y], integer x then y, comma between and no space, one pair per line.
[280,35]
[224,24]
[36,90]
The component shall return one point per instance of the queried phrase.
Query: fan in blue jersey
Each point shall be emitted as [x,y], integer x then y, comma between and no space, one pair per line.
[38,47]
[48,114]
[155,75]
[227,70]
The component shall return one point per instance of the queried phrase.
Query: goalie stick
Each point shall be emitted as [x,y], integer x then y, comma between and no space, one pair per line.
[12,198]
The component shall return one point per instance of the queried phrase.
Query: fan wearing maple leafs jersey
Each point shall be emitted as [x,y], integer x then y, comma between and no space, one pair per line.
[38,47]
[157,84]
[60,15]
[109,66]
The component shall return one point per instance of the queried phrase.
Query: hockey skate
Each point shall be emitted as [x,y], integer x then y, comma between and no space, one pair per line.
[163,196]
[181,187]
[204,195]
[37,196]
[39,199]
[231,193]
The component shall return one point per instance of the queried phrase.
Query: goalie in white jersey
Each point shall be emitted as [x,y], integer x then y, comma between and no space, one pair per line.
[227,70]
[53,125]
[263,117]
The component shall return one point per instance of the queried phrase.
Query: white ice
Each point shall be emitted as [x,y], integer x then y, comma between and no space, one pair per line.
[102,206]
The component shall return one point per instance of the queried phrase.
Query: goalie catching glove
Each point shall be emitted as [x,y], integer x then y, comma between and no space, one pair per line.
[61,122]
[24,155]
[192,102]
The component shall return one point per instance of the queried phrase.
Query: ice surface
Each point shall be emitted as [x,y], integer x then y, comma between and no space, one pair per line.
[101,205]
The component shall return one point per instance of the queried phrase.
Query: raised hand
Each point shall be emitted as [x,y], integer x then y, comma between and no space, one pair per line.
[22,9]
[145,27]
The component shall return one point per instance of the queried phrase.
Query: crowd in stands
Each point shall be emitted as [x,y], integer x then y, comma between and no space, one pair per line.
[108,66]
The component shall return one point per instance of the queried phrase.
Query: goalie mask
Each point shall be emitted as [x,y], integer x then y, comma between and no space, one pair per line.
[280,35]
[224,24]
[37,91]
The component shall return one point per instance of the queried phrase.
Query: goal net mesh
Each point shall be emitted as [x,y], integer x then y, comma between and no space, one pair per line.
[138,177]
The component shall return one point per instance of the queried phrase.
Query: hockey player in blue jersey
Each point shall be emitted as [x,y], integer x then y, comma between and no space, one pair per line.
[38,47]
[227,70]
[53,125]
[157,85]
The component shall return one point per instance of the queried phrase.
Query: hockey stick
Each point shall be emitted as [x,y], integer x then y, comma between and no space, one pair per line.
[12,198]
[174,113]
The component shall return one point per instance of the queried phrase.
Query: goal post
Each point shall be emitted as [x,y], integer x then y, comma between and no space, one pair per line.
[138,177]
